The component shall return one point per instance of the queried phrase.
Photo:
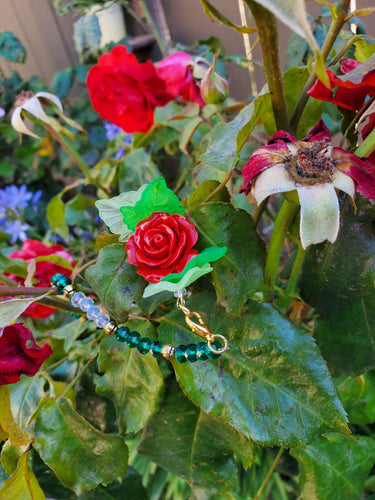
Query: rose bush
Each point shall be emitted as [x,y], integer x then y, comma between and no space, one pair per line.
[161,245]
[19,354]
[44,270]
[126,92]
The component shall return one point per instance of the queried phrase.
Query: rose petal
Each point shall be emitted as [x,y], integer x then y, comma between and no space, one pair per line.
[344,183]
[50,97]
[19,125]
[271,181]
[359,169]
[320,214]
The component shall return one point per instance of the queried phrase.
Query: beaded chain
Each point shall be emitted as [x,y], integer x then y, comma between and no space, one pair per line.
[211,349]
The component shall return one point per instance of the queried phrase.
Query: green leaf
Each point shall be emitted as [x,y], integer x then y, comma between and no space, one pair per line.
[239,273]
[212,12]
[11,48]
[132,381]
[23,484]
[109,211]
[11,309]
[156,197]
[137,169]
[188,132]
[364,48]
[272,385]
[25,397]
[203,191]
[341,462]
[115,281]
[62,82]
[81,456]
[189,443]
[70,332]
[10,455]
[56,216]
[56,259]
[131,488]
[358,397]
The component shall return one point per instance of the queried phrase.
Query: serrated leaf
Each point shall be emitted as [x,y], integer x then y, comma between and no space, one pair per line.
[358,397]
[189,443]
[109,211]
[11,309]
[188,132]
[132,381]
[23,484]
[115,281]
[56,217]
[16,436]
[364,48]
[58,427]
[11,48]
[341,462]
[222,225]
[272,385]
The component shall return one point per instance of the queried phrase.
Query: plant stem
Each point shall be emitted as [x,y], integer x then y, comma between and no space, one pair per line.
[290,289]
[8,281]
[334,30]
[219,187]
[283,220]
[269,474]
[152,25]
[268,37]
[6,291]
[77,377]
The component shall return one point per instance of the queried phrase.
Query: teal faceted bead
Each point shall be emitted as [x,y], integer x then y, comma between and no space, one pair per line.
[180,354]
[202,350]
[60,280]
[156,347]
[144,345]
[122,334]
[133,339]
[216,345]
[191,353]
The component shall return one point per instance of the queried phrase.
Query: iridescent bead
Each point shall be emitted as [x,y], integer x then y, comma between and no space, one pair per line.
[180,354]
[168,351]
[102,320]
[212,355]
[122,334]
[60,281]
[93,312]
[202,349]
[144,345]
[191,353]
[76,299]
[133,339]
[156,348]
[86,303]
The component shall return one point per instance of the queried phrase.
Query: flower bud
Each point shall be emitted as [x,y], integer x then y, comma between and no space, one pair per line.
[214,88]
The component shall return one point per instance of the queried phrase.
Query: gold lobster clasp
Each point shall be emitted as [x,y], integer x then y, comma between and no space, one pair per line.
[199,328]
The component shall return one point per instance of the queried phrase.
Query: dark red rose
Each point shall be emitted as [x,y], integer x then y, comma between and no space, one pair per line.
[19,354]
[177,72]
[44,271]
[126,92]
[344,91]
[162,245]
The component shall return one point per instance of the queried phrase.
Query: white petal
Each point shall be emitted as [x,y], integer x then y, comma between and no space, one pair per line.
[34,107]
[271,181]
[50,97]
[320,215]
[19,125]
[344,183]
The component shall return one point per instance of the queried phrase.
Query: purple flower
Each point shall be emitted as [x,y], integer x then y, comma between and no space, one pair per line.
[16,230]
[15,197]
[111,130]
[119,153]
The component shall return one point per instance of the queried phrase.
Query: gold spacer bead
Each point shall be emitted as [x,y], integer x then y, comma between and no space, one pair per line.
[110,328]
[68,291]
[168,351]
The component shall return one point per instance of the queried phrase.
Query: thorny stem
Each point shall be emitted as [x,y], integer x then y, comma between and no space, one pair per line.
[334,30]
[6,291]
[268,36]
[290,289]
[77,377]
[220,187]
[283,220]
[269,474]
[153,28]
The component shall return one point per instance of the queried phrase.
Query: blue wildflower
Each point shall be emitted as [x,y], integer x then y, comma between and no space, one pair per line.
[16,230]
[119,153]
[111,130]
[15,197]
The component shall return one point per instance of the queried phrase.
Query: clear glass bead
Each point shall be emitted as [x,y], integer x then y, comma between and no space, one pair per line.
[86,303]
[102,320]
[93,312]
[76,299]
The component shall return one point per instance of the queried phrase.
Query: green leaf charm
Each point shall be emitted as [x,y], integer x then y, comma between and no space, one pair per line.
[341,462]
[272,385]
[73,448]
[156,197]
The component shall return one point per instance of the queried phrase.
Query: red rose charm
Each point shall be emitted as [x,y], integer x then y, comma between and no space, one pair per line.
[44,271]
[126,92]
[161,245]
[19,354]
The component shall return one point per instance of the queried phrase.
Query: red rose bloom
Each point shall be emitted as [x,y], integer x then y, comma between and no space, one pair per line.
[177,72]
[346,91]
[19,354]
[44,271]
[162,245]
[126,92]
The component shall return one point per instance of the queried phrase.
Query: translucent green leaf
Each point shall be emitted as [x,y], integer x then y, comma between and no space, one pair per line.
[23,484]
[156,197]
[272,385]
[115,281]
[132,381]
[210,254]
[339,461]
[189,443]
[81,456]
